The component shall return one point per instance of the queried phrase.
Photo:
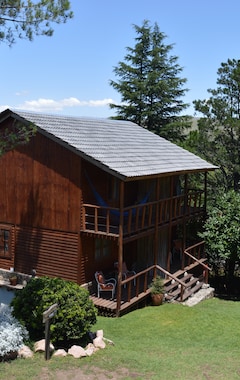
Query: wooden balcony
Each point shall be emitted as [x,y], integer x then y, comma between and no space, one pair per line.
[141,218]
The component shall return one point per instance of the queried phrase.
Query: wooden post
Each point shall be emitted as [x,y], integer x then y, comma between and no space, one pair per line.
[205,194]
[120,248]
[47,316]
[156,233]
[184,220]
[169,251]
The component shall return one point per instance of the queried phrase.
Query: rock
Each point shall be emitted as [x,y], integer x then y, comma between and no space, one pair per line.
[98,342]
[77,351]
[108,341]
[201,295]
[60,353]
[40,346]
[90,349]
[25,352]
[99,333]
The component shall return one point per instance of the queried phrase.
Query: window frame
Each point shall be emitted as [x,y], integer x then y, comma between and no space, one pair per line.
[5,241]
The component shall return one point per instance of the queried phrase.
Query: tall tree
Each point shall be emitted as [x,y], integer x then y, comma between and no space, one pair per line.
[26,18]
[218,136]
[149,83]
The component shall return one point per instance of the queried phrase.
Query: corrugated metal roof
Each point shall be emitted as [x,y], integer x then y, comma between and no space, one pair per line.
[121,147]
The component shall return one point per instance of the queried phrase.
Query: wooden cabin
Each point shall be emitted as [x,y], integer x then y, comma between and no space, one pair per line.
[84,194]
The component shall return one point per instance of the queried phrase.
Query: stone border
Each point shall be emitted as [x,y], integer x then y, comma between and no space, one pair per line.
[22,279]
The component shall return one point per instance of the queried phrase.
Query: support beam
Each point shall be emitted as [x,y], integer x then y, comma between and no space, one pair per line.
[184,217]
[170,226]
[156,233]
[120,248]
[205,193]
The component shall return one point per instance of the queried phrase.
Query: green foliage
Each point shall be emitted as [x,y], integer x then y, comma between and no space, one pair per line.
[17,134]
[75,315]
[157,285]
[217,136]
[150,86]
[24,19]
[222,232]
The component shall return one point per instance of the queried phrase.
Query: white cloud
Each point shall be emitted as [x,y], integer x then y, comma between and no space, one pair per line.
[42,104]
[2,108]
[22,93]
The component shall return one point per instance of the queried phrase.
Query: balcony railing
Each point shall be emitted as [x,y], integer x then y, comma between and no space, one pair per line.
[138,218]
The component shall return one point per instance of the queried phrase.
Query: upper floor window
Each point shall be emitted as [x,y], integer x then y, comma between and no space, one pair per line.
[5,234]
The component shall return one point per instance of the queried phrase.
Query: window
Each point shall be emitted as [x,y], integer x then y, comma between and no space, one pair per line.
[102,249]
[5,236]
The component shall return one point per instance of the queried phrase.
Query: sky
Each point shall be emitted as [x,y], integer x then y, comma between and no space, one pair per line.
[69,73]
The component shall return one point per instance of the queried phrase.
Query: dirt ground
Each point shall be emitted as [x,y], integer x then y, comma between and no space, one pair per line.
[89,374]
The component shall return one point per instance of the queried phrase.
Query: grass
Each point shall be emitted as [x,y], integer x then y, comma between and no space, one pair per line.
[165,342]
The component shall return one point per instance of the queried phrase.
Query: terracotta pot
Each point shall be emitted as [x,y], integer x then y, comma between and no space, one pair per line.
[157,299]
[13,281]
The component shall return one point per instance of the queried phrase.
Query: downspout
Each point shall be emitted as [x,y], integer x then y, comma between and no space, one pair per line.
[120,248]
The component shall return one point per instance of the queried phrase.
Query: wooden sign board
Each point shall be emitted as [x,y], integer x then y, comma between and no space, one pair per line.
[50,312]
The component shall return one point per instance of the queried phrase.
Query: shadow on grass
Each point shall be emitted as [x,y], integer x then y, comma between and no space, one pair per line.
[226,288]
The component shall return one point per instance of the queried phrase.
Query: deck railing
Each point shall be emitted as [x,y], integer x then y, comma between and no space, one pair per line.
[105,220]
[142,280]
[194,254]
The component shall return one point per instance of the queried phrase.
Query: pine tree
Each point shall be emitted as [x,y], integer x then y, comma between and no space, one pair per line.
[26,18]
[149,83]
[218,136]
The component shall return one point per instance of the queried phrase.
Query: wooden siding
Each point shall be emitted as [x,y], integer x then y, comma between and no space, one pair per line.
[40,186]
[89,264]
[51,253]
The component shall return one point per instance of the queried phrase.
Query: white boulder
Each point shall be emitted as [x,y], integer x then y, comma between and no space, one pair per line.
[77,351]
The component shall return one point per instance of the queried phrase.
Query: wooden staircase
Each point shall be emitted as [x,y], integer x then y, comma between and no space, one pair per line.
[189,283]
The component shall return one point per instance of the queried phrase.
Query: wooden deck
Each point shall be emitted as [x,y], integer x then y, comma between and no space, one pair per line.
[107,307]
[179,286]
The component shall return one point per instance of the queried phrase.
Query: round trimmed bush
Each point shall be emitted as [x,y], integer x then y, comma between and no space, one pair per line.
[75,314]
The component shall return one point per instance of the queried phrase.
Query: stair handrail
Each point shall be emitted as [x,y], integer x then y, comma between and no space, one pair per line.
[169,274]
[183,285]
[158,267]
[205,266]
[195,258]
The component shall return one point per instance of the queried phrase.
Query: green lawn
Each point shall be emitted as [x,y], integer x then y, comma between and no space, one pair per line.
[166,342]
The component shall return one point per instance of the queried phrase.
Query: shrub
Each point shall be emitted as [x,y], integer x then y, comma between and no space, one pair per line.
[157,285]
[222,234]
[75,314]
[12,333]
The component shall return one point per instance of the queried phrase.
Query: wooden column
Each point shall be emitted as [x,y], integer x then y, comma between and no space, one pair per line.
[120,248]
[170,226]
[156,234]
[205,193]
[184,219]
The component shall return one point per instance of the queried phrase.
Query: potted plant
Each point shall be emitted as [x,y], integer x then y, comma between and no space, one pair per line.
[13,279]
[157,291]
